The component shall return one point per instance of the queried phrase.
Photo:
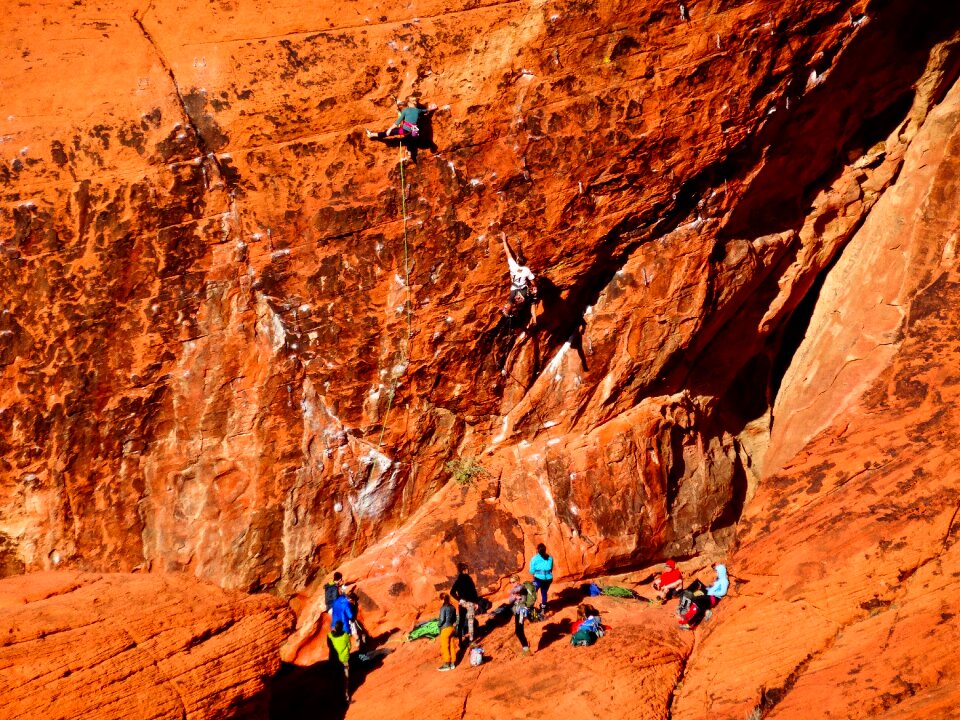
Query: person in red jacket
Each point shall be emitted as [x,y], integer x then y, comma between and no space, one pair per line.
[669,582]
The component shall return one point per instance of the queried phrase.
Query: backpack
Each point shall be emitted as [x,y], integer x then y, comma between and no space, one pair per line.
[483,605]
[428,629]
[476,656]
[686,600]
[330,593]
[531,597]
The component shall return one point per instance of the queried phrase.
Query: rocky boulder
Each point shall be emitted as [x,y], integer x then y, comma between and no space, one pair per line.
[135,646]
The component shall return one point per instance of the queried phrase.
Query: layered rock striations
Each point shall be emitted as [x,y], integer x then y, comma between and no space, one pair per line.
[145,646]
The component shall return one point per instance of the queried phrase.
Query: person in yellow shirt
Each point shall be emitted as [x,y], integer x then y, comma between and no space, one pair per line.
[339,641]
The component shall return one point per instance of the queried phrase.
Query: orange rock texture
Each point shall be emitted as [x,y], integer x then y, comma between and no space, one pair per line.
[144,646]
[240,340]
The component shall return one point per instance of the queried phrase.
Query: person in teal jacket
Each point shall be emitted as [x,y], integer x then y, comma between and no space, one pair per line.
[406,124]
[541,567]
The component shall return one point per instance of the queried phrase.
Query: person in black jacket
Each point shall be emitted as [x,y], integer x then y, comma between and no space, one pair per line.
[464,591]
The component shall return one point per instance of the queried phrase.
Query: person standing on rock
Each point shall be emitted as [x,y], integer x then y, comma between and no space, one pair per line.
[341,611]
[523,283]
[332,590]
[541,567]
[518,598]
[464,591]
[357,629]
[447,623]
[339,641]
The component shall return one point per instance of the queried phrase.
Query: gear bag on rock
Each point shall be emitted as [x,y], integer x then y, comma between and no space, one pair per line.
[686,600]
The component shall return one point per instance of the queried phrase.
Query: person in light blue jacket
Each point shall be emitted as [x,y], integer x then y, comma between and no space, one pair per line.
[720,585]
[541,567]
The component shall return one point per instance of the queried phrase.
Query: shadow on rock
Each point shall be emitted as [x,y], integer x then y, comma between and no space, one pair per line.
[553,632]
[306,693]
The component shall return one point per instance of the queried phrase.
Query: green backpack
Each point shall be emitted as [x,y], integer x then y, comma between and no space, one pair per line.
[429,629]
[583,637]
[531,598]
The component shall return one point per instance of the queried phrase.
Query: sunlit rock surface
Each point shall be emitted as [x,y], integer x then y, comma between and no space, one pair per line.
[135,646]
[241,341]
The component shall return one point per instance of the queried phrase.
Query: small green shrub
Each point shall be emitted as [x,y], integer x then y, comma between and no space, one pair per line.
[464,470]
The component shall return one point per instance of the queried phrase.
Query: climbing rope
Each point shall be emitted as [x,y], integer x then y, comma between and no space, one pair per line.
[406,348]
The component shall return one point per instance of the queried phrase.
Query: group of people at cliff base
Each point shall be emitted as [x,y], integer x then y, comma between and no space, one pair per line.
[522,603]
[697,601]
[457,624]
[345,625]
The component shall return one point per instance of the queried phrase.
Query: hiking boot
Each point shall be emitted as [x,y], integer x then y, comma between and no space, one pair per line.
[685,627]
[526,651]
[369,133]
[708,615]
[444,668]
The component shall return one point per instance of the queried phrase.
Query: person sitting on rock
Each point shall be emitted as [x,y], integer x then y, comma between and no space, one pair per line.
[697,600]
[589,626]
[464,591]
[407,125]
[523,283]
[339,642]
[720,586]
[669,582]
[447,623]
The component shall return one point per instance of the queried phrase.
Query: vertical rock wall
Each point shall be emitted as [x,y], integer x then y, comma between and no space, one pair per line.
[240,340]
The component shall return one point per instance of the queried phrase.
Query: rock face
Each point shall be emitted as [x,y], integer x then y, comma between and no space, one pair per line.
[122,646]
[847,556]
[242,341]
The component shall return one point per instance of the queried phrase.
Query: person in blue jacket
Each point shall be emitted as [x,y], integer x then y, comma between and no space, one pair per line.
[341,611]
[541,567]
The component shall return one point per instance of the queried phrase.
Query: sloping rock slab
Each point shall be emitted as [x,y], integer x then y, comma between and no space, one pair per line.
[135,646]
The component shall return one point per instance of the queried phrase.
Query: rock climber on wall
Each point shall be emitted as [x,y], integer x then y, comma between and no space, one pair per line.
[523,284]
[407,125]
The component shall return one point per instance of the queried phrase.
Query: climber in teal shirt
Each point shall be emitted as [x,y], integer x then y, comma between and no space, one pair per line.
[541,567]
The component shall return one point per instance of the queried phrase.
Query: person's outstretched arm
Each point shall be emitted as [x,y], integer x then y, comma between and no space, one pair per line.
[506,247]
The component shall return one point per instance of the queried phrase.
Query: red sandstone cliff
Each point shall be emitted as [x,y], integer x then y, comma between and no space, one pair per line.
[223,354]
[225,351]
